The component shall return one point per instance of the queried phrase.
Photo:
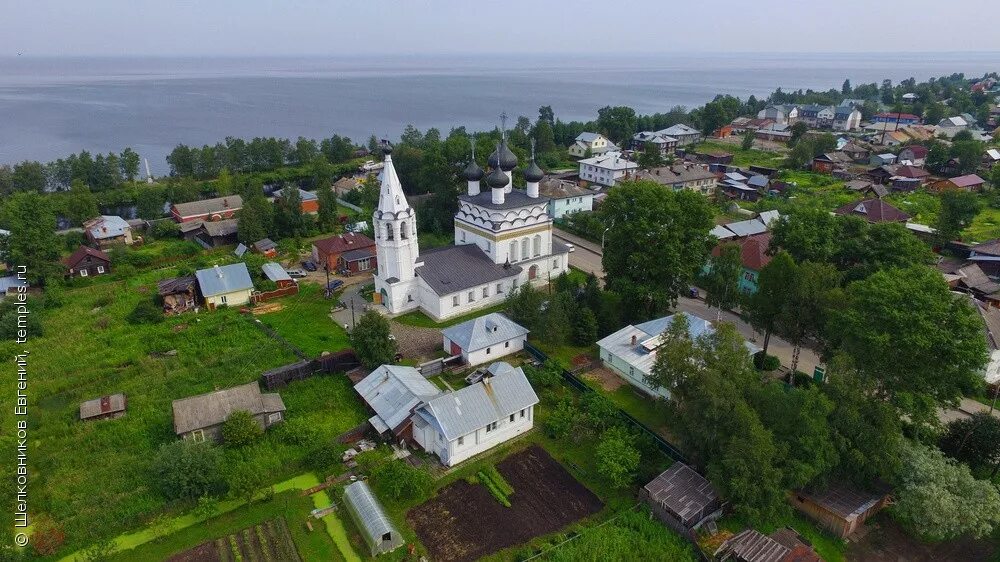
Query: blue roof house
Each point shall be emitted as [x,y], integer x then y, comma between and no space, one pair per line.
[225,285]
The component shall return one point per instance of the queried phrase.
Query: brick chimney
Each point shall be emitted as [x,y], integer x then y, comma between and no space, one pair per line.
[633,339]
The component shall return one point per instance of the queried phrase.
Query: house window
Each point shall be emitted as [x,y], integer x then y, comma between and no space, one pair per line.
[462,234]
[273,418]
[522,413]
[83,273]
[506,344]
[512,418]
[487,351]
[100,269]
[223,299]
[454,300]
[461,441]
[512,251]
[491,427]
[472,296]
[524,248]
[555,264]
[499,288]
[486,292]
[537,245]
[198,435]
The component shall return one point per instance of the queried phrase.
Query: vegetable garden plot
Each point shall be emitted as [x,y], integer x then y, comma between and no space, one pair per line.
[465,522]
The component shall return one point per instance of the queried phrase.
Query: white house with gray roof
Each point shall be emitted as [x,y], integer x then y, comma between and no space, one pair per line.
[631,351]
[606,169]
[596,143]
[461,424]
[225,285]
[484,339]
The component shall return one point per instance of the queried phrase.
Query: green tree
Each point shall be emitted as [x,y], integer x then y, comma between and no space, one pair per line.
[29,176]
[149,204]
[958,208]
[400,482]
[801,155]
[32,242]
[81,204]
[722,281]
[524,306]
[650,156]
[246,480]
[747,142]
[556,324]
[617,459]
[995,177]
[816,291]
[255,219]
[619,122]
[289,221]
[129,162]
[562,420]
[865,249]
[372,341]
[939,338]
[969,154]
[846,88]
[798,129]
[974,441]
[674,355]
[241,429]
[584,327]
[188,470]
[939,499]
[770,303]
[657,241]
[327,217]
[807,235]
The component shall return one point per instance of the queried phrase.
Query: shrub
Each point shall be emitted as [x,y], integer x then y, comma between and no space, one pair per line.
[241,429]
[188,470]
[766,362]
[324,458]
[545,376]
[146,312]
[164,229]
[47,537]
[401,482]
[617,459]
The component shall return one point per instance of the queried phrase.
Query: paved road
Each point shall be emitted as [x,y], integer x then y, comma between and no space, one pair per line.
[587,257]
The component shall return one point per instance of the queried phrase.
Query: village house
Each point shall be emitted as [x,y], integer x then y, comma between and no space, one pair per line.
[692,177]
[326,252]
[987,256]
[631,351]
[108,230]
[310,201]
[461,424]
[874,211]
[684,134]
[991,158]
[103,408]
[900,119]
[753,257]
[846,118]
[265,247]
[969,182]
[353,262]
[665,143]
[606,169]
[346,184]
[682,499]
[827,162]
[778,132]
[484,339]
[178,294]
[817,116]
[227,285]
[750,227]
[207,209]
[780,114]
[840,508]
[859,153]
[884,159]
[915,154]
[200,418]
[393,392]
[211,234]
[87,262]
[908,178]
[591,144]
[565,197]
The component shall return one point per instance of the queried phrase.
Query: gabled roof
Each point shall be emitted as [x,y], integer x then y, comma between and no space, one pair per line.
[393,391]
[484,331]
[679,129]
[217,229]
[874,211]
[610,161]
[220,280]
[451,269]
[750,545]
[209,206]
[969,180]
[753,250]
[463,411]
[588,137]
[275,272]
[264,245]
[213,408]
[844,499]
[82,252]
[303,194]
[175,285]
[682,492]
[343,242]
[107,226]
[102,406]
[911,172]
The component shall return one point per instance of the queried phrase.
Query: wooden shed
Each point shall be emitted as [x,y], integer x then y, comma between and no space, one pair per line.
[103,408]
[682,498]
[841,508]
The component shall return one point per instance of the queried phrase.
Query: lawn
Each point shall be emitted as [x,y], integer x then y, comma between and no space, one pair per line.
[94,478]
[421,320]
[311,545]
[305,321]
[752,157]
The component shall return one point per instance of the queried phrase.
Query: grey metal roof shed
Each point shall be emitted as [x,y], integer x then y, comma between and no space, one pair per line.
[374,525]
[484,331]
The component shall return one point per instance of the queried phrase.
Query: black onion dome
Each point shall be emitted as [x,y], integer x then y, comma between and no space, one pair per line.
[503,158]
[533,173]
[496,179]
[386,148]
[473,172]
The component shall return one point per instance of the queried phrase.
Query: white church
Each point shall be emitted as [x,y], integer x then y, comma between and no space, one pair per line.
[503,239]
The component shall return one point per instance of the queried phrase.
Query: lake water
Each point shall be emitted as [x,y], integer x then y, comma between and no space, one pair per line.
[53,107]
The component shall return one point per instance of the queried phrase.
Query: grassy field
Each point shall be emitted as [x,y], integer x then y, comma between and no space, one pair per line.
[419,319]
[94,478]
[305,321]
[752,157]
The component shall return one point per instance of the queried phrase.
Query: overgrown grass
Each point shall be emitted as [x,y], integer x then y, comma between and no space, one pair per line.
[305,321]
[829,547]
[751,157]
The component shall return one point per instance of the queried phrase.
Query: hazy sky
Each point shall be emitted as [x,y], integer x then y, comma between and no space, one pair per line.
[293,27]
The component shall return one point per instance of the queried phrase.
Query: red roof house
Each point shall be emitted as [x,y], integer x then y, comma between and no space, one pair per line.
[327,252]
[970,182]
[87,261]
[873,211]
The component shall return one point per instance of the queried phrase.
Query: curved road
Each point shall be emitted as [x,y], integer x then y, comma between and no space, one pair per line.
[587,257]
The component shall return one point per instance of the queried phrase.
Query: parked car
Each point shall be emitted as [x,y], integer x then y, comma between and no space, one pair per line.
[334,285]
[571,247]
[308,266]
[295,273]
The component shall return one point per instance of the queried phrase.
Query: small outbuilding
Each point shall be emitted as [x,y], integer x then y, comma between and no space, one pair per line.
[266,247]
[274,272]
[103,408]
[840,508]
[178,294]
[484,339]
[682,498]
[200,418]
[372,522]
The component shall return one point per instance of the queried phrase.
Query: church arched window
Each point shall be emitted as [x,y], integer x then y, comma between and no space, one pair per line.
[403,235]
[536,250]
[512,251]
[525,252]
[389,235]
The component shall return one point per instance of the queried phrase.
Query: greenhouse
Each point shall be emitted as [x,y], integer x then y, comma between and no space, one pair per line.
[371,519]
